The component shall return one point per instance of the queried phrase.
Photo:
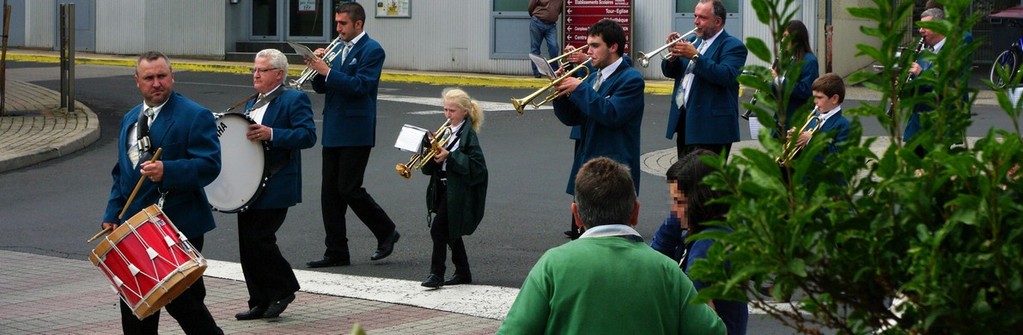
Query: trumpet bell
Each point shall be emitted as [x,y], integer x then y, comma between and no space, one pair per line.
[403,170]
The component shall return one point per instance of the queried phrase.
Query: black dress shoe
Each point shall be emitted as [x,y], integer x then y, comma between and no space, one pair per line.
[251,314]
[386,247]
[433,281]
[277,307]
[328,261]
[459,279]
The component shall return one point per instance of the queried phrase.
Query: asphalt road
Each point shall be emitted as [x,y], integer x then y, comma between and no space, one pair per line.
[53,207]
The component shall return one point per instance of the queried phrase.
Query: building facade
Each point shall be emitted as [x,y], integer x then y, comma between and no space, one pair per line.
[480,36]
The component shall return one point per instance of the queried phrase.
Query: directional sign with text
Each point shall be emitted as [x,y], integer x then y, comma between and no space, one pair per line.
[581,14]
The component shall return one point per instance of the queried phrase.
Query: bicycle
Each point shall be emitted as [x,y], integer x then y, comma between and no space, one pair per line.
[1007,62]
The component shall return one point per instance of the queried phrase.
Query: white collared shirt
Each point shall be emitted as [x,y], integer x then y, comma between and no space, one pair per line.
[608,70]
[829,114]
[455,145]
[133,138]
[937,46]
[610,230]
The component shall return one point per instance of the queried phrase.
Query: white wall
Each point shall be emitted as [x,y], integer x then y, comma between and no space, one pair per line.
[41,24]
[182,28]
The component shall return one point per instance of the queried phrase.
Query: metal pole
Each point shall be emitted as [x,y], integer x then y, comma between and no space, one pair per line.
[829,32]
[63,54]
[3,59]
[71,59]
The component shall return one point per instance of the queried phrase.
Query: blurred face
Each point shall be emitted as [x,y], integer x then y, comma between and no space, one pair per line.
[454,112]
[678,203]
[930,37]
[154,80]
[603,55]
[265,76]
[823,102]
[706,23]
[347,28]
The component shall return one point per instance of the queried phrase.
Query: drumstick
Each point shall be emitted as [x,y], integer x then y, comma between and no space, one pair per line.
[130,198]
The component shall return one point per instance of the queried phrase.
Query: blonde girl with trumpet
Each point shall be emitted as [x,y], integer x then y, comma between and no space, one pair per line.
[457,191]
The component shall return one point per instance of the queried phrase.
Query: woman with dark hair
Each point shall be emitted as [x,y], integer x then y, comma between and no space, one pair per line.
[797,39]
[694,197]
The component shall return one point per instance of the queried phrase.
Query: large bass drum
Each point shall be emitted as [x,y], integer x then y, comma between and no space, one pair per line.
[244,168]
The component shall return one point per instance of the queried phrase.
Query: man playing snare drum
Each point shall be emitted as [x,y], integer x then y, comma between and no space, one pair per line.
[190,159]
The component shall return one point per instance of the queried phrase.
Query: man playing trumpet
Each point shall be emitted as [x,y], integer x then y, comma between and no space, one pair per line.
[705,107]
[607,105]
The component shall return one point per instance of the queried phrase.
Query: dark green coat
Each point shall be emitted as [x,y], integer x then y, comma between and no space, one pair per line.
[467,184]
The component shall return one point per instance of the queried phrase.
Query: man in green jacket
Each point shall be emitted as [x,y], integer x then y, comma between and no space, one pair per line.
[608,281]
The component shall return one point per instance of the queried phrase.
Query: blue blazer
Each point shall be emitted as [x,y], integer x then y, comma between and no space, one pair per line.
[801,92]
[609,119]
[712,111]
[187,133]
[838,126]
[291,117]
[913,125]
[350,108]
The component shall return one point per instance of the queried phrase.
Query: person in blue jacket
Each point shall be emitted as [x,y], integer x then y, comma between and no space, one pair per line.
[284,122]
[704,109]
[189,160]
[607,105]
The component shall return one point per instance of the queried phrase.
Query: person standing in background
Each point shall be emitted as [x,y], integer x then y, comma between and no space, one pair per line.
[543,24]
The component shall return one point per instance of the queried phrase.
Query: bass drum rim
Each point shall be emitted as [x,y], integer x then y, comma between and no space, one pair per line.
[230,162]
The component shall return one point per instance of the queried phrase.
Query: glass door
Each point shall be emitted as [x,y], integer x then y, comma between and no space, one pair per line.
[264,20]
[308,20]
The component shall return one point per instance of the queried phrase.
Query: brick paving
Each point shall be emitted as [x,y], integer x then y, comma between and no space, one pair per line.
[34,128]
[51,295]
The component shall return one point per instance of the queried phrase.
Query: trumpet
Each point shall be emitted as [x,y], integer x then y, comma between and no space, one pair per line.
[790,149]
[561,57]
[309,73]
[520,104]
[416,162]
[644,57]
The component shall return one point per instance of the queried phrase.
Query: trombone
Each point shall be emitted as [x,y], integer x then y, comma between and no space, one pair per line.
[425,154]
[644,57]
[520,104]
[790,149]
[309,73]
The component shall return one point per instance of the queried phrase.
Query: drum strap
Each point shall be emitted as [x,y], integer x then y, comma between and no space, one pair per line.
[265,100]
[240,103]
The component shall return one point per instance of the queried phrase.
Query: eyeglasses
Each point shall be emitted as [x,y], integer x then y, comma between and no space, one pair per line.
[263,71]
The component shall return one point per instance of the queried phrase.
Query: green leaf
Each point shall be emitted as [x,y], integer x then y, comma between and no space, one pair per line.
[758,48]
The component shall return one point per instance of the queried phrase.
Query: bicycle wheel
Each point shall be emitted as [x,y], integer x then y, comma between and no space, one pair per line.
[1007,62]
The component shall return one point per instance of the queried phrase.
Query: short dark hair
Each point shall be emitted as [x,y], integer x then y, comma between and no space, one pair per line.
[604,193]
[150,56]
[719,9]
[611,32]
[690,174]
[353,9]
[830,84]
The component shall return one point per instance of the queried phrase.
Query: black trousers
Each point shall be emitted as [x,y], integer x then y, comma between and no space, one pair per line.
[268,275]
[441,240]
[343,170]
[682,149]
[188,309]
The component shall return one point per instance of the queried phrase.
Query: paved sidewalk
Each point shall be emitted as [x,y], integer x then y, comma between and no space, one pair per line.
[34,128]
[51,295]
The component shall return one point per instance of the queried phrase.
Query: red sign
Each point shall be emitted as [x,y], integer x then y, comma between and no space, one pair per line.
[581,14]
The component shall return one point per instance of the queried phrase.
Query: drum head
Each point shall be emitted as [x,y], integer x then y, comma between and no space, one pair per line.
[243,166]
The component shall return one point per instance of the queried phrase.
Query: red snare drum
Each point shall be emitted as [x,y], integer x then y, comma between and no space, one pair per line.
[148,261]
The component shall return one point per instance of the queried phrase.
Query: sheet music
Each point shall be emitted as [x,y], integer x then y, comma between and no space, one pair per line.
[410,138]
[302,50]
[542,65]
